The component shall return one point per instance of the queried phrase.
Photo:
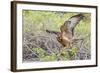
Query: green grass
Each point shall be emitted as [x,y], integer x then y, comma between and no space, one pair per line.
[63,55]
[52,20]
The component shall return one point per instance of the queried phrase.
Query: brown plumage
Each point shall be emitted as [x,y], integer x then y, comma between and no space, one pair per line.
[65,37]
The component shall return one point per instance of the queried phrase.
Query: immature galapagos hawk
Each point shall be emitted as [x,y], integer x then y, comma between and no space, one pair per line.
[66,36]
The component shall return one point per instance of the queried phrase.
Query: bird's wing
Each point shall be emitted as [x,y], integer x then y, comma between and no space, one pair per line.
[53,32]
[74,20]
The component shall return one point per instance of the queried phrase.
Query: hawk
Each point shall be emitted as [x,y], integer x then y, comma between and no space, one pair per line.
[66,34]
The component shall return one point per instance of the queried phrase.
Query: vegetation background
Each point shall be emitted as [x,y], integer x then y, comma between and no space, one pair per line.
[36,22]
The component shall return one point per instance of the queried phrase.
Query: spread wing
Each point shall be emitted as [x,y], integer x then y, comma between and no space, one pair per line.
[73,21]
[53,32]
